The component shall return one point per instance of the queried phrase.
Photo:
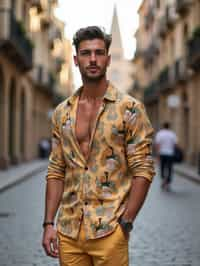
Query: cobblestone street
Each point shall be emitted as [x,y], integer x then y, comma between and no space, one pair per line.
[166,232]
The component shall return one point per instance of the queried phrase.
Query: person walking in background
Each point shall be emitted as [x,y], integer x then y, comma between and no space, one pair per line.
[100,168]
[165,141]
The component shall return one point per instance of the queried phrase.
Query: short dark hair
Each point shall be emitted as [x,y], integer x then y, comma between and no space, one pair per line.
[91,33]
[166,125]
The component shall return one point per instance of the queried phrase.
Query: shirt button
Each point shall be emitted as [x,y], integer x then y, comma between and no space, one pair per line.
[86,168]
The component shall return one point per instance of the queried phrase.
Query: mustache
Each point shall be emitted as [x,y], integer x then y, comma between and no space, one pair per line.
[93,65]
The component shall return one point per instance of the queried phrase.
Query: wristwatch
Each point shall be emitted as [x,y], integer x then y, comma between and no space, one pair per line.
[125,224]
[47,223]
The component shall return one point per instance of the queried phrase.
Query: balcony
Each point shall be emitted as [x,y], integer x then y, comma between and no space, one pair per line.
[37,4]
[151,92]
[149,17]
[194,52]
[181,71]
[177,72]
[14,42]
[58,98]
[171,16]
[150,53]
[53,34]
[43,79]
[45,20]
[162,27]
[182,6]
[58,62]
[164,79]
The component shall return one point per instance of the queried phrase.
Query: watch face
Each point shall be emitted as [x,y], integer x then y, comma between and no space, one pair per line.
[126,225]
[129,226]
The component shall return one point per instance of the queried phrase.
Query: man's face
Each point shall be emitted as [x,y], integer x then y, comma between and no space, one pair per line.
[92,59]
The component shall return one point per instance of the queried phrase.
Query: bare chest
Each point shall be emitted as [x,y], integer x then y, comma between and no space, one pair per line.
[86,118]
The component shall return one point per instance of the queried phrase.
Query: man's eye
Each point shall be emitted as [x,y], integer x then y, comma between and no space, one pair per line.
[100,52]
[85,52]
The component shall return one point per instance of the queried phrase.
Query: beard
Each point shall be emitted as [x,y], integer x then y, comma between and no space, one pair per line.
[93,77]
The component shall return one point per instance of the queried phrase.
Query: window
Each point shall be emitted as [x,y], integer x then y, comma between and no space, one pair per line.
[158,4]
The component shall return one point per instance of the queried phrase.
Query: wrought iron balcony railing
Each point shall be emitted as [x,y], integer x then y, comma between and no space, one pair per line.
[162,27]
[181,70]
[149,17]
[194,52]
[58,63]
[43,79]
[151,52]
[182,6]
[151,92]
[45,20]
[14,42]
[164,79]
[171,16]
[37,4]
[53,34]
[177,72]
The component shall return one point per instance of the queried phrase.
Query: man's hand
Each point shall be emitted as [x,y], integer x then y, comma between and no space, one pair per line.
[50,241]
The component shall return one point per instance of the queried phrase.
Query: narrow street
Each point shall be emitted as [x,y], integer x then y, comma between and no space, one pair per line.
[166,232]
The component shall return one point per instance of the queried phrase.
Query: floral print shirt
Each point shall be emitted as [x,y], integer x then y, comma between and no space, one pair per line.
[96,191]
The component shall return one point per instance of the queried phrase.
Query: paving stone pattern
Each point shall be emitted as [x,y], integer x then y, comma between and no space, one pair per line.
[166,232]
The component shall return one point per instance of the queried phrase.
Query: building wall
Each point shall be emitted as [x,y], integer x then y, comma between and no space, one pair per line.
[29,77]
[162,44]
[15,86]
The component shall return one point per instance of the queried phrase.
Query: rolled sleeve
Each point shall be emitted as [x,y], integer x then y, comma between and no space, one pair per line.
[138,141]
[56,167]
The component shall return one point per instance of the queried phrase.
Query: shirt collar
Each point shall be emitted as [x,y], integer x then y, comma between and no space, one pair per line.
[110,95]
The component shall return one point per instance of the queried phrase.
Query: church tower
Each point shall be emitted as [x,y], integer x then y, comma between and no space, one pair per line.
[119,72]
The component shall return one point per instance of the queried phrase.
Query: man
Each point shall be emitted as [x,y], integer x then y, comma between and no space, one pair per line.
[100,166]
[165,141]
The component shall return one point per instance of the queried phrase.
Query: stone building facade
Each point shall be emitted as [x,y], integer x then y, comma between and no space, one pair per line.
[167,68]
[30,71]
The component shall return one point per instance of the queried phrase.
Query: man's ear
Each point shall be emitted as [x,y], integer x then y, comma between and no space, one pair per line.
[75,60]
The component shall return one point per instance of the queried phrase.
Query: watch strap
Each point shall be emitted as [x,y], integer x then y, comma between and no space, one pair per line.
[47,223]
[126,225]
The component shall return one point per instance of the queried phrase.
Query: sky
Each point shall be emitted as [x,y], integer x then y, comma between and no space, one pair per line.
[80,13]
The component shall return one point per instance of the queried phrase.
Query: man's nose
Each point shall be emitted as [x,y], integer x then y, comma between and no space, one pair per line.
[93,57]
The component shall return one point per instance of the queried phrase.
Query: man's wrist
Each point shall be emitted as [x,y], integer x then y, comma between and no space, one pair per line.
[46,223]
[126,224]
[128,216]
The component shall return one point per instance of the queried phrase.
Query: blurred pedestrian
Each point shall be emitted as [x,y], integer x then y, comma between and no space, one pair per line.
[100,167]
[44,148]
[165,141]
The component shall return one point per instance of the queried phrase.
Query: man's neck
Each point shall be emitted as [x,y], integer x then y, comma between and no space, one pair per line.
[94,90]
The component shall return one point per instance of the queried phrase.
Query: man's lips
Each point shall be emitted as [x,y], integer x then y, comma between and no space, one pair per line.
[93,68]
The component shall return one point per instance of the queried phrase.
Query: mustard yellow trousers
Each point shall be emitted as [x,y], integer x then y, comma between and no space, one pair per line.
[111,250]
